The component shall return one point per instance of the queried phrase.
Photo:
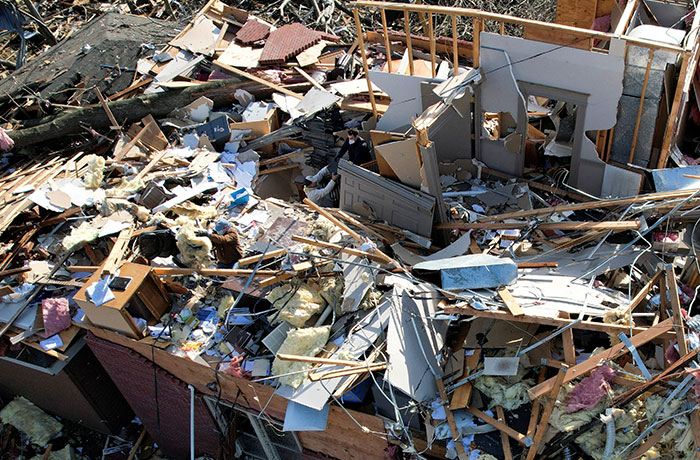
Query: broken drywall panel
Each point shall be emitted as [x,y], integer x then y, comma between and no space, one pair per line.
[595,74]
[314,101]
[473,271]
[363,335]
[450,128]
[406,102]
[501,365]
[413,342]
[235,55]
[201,38]
[401,157]
[459,247]
[359,278]
[620,182]
[397,204]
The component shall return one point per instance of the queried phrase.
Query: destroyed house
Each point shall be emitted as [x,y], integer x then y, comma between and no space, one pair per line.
[403,230]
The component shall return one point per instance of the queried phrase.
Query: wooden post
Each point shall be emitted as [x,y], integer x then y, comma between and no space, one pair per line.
[546,413]
[363,52]
[476,31]
[567,338]
[455,53]
[503,28]
[431,36]
[641,105]
[387,43]
[409,48]
[456,435]
[507,454]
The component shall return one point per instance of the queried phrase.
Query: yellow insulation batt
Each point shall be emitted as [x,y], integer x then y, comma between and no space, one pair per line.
[126,188]
[95,172]
[83,233]
[300,342]
[296,306]
[194,250]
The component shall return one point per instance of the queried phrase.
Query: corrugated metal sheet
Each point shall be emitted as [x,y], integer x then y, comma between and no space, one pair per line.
[288,41]
[252,31]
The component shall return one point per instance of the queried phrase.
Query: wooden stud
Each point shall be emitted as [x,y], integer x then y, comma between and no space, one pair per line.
[387,42]
[463,393]
[256,79]
[565,226]
[641,105]
[502,427]
[345,228]
[507,454]
[567,338]
[455,51]
[431,36]
[502,28]
[543,320]
[661,196]
[547,412]
[308,78]
[409,48]
[316,376]
[610,354]
[268,255]
[678,324]
[456,435]
[626,17]
[476,40]
[642,294]
[363,52]
[108,111]
[512,304]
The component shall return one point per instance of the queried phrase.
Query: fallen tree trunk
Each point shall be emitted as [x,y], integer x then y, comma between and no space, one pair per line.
[131,110]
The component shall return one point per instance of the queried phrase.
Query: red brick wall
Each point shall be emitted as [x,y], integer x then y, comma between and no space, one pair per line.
[133,375]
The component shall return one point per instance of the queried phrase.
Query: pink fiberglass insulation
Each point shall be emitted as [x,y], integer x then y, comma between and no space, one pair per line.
[591,390]
[56,315]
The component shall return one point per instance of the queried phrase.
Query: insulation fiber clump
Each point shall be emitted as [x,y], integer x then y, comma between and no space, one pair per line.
[95,172]
[300,342]
[39,427]
[296,307]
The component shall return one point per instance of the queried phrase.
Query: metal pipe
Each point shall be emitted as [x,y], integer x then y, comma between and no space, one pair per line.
[191,421]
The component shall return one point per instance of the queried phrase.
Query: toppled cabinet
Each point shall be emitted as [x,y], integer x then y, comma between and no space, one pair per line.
[144,297]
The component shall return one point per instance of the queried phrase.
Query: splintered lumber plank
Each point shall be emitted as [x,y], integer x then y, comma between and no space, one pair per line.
[564,226]
[507,454]
[268,255]
[359,224]
[661,196]
[275,279]
[316,376]
[463,393]
[567,338]
[543,320]
[127,148]
[116,255]
[316,360]
[502,427]
[547,412]
[309,78]
[345,228]
[538,264]
[610,354]
[262,81]
[676,310]
[336,247]
[108,111]
[641,295]
[651,440]
[512,305]
[283,158]
[456,435]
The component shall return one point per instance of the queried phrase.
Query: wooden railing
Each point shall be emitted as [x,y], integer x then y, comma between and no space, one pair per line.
[689,53]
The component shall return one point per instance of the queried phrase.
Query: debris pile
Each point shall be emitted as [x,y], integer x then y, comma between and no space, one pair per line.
[375,247]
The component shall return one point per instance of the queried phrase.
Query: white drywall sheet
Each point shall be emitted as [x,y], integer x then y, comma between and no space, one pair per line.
[597,74]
